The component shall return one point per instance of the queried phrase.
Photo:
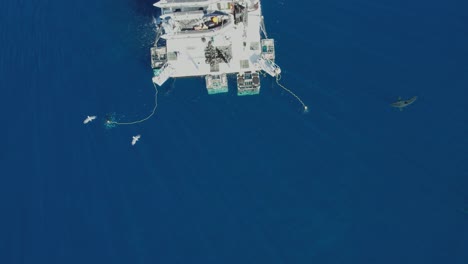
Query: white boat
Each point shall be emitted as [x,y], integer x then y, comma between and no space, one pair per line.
[213,38]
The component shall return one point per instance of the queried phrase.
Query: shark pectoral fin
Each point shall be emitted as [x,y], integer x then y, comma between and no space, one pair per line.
[401,109]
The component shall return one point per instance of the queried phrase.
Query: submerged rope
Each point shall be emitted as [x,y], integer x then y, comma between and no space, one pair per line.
[278,78]
[111,123]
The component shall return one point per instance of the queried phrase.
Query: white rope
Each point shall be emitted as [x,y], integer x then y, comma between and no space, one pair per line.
[278,78]
[110,123]
[262,27]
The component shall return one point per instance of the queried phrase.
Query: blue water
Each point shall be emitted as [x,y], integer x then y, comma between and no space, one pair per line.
[227,179]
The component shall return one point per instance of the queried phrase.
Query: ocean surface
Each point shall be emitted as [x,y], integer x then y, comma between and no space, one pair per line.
[228,179]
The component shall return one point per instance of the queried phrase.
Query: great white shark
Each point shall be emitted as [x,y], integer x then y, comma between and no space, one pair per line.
[400,104]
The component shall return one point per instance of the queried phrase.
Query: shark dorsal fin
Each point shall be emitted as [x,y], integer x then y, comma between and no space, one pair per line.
[399,98]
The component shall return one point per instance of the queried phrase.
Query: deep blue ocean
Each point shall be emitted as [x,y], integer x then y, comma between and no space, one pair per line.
[228,179]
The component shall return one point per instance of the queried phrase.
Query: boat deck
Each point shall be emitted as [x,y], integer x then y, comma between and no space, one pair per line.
[186,50]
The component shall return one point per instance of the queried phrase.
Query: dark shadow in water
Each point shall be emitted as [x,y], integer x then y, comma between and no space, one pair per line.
[168,89]
[145,7]
[463,210]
